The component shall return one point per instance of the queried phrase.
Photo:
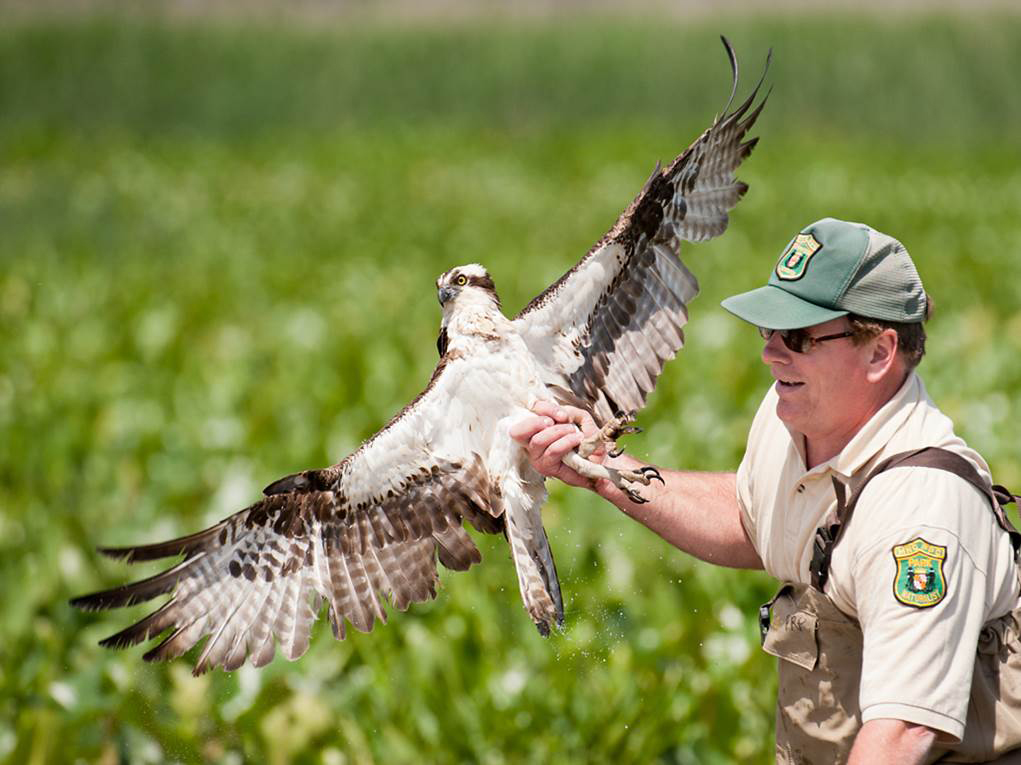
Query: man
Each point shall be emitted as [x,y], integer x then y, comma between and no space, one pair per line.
[877,662]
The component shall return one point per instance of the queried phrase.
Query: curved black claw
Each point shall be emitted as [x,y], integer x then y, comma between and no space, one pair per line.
[635,497]
[615,452]
[651,473]
[622,429]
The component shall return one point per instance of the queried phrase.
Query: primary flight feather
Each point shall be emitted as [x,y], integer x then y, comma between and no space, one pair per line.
[369,529]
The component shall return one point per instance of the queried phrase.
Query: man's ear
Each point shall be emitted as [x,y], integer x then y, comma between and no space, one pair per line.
[883,358]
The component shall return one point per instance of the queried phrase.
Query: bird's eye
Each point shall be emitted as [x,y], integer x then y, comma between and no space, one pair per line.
[461,280]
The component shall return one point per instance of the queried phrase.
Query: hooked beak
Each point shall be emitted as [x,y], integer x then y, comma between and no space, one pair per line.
[445,294]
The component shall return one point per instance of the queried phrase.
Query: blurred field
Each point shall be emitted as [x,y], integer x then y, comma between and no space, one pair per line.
[219,242]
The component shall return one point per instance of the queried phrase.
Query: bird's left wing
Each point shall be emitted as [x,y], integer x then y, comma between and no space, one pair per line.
[605,329]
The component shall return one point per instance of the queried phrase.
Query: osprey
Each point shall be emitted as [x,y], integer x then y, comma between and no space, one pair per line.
[369,529]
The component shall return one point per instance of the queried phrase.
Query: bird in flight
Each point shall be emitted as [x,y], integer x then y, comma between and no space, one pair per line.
[368,530]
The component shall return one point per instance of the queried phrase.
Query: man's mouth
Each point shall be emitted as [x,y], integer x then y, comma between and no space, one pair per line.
[788,385]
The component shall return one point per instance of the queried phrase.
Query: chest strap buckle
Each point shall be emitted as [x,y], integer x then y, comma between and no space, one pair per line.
[822,551]
[764,619]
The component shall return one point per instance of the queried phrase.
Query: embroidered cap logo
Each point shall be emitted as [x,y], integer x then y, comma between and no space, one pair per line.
[795,259]
[919,581]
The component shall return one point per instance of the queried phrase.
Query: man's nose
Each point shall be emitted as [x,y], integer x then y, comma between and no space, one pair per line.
[775,351]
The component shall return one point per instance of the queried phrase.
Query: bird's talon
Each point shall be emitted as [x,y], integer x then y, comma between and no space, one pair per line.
[615,452]
[635,497]
[651,473]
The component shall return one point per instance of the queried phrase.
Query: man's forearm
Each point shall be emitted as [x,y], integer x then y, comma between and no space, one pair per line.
[695,512]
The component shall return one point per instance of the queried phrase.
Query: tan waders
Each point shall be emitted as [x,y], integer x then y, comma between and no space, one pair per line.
[820,648]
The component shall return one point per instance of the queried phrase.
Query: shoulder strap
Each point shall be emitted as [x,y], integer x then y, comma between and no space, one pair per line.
[826,537]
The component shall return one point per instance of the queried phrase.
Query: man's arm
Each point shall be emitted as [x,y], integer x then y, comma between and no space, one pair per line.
[695,512]
[891,741]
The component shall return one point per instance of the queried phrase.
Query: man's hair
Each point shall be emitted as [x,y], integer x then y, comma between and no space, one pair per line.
[910,336]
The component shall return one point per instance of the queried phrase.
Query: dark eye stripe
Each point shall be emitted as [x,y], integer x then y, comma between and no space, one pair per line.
[481,281]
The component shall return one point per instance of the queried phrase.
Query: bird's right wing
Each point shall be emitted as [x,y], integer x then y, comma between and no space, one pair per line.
[354,535]
[605,329]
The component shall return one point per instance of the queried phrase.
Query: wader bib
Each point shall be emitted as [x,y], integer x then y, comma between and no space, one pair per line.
[820,647]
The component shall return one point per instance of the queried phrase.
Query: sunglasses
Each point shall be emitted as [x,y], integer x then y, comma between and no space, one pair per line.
[798,340]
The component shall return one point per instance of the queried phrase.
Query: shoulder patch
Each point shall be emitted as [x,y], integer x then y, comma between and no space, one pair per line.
[795,258]
[920,581]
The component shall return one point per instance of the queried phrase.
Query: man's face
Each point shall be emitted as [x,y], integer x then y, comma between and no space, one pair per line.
[823,392]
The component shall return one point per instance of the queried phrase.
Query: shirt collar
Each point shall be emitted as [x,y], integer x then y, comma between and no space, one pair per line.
[875,434]
[872,436]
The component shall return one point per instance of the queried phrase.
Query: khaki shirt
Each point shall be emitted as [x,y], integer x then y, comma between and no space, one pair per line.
[914,667]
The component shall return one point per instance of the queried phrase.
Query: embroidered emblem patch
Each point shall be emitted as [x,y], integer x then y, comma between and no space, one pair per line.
[795,259]
[920,581]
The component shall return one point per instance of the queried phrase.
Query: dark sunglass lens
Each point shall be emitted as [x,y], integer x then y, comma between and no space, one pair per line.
[795,340]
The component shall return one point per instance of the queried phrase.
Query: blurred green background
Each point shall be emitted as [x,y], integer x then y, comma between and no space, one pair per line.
[218,241]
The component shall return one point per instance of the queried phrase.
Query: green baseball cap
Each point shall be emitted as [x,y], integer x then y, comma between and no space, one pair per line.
[830,269]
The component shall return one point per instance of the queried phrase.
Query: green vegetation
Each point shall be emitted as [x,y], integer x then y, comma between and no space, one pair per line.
[218,250]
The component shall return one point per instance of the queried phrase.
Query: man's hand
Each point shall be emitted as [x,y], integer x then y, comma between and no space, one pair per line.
[695,512]
[551,434]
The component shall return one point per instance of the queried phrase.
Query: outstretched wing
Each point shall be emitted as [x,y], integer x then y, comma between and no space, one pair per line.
[366,530]
[605,329]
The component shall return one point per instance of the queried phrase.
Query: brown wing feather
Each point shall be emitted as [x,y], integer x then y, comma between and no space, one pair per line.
[606,328]
[255,579]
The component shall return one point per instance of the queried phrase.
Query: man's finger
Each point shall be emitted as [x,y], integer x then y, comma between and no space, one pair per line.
[561,413]
[568,442]
[523,430]
[579,417]
[545,408]
[542,440]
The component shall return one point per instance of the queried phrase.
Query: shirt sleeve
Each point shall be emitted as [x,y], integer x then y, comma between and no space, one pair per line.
[744,501]
[758,438]
[920,597]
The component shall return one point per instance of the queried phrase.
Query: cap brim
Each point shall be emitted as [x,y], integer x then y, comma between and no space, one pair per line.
[774,308]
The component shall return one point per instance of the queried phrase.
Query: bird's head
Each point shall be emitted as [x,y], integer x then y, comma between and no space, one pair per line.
[464,285]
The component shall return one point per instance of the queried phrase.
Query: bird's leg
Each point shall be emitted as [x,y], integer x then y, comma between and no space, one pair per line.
[608,435]
[607,438]
[622,479]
